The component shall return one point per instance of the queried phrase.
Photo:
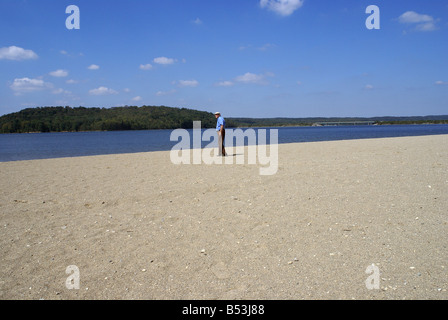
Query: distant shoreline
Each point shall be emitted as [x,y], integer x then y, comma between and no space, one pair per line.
[398,123]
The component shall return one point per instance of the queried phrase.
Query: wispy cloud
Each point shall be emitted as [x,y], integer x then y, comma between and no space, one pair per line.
[68,54]
[165,93]
[101,91]
[441,83]
[254,78]
[197,21]
[247,78]
[27,85]
[187,83]
[146,66]
[266,46]
[261,48]
[61,91]
[422,22]
[164,60]
[17,53]
[93,67]
[59,73]
[224,84]
[282,7]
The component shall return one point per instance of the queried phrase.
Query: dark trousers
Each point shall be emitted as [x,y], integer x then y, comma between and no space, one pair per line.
[221,138]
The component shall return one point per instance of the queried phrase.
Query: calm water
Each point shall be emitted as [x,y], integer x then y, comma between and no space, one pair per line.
[15,147]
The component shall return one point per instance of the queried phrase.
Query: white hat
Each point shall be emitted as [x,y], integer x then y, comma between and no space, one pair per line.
[218,113]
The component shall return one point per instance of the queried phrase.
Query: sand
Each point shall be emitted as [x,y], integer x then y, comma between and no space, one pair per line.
[139,227]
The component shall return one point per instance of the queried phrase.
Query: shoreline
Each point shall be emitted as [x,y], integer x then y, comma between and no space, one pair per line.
[139,227]
[241,127]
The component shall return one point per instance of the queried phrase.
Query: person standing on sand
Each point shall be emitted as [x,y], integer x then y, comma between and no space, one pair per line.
[221,129]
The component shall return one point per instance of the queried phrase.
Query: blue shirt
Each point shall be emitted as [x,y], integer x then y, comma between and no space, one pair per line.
[221,122]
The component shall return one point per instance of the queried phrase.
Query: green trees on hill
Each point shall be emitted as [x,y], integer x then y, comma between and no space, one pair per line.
[61,119]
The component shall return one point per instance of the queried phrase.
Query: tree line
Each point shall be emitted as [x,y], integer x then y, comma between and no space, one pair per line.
[297,122]
[68,119]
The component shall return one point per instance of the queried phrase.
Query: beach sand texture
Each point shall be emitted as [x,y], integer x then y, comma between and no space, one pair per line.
[139,227]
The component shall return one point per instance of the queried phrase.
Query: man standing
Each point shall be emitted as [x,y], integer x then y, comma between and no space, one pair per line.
[221,129]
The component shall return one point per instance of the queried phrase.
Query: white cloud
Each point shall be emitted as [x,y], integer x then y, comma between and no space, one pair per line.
[164,60]
[101,91]
[137,98]
[262,48]
[266,47]
[71,81]
[422,22]
[165,93]
[244,47]
[224,84]
[188,83]
[93,67]
[146,66]
[414,17]
[26,85]
[282,7]
[16,53]
[430,26]
[441,83]
[59,73]
[197,21]
[368,87]
[254,78]
[60,91]
[249,78]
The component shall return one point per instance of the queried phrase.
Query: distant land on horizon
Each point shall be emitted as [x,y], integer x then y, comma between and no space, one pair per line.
[68,119]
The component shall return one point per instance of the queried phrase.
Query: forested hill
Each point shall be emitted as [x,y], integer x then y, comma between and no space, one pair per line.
[62,119]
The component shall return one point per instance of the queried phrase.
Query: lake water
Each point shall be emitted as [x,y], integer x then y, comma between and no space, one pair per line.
[14,147]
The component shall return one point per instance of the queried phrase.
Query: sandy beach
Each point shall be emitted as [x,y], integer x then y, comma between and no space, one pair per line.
[139,227]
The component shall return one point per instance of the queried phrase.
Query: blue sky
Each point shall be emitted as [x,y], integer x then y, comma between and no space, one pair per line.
[245,58]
